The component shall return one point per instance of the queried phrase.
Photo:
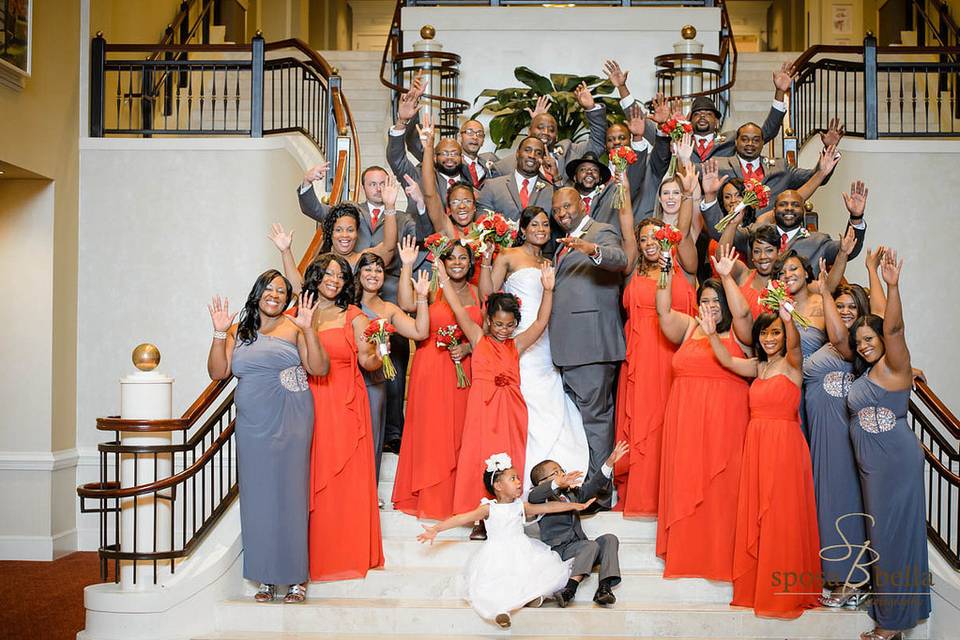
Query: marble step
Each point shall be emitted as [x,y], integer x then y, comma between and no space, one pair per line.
[283,635]
[446,585]
[398,525]
[625,619]
[453,554]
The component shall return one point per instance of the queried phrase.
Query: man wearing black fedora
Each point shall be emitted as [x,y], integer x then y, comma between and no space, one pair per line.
[593,181]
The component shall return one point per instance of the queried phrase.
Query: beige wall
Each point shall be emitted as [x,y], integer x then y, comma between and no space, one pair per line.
[129,21]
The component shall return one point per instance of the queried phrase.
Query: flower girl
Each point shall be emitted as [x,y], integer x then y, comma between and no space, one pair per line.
[510,569]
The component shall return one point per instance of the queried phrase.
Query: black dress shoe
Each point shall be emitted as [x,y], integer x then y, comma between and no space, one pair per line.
[564,597]
[479,531]
[392,446]
[604,596]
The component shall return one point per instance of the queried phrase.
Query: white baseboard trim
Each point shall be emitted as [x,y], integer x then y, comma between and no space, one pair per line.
[26,547]
[38,460]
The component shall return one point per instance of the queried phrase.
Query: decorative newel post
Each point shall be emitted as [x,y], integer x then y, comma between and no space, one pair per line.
[431,72]
[689,76]
[145,519]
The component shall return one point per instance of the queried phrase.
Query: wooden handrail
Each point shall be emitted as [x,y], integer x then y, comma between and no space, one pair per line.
[818,49]
[339,115]
[936,406]
[294,43]
[189,417]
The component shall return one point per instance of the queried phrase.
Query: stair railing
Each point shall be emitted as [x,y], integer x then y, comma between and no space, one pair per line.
[250,90]
[203,488]
[877,92]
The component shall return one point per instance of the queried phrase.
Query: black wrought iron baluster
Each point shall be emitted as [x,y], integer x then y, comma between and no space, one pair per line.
[116,513]
[202,95]
[203,485]
[136,533]
[236,114]
[226,74]
[156,497]
[129,99]
[900,85]
[193,491]
[889,101]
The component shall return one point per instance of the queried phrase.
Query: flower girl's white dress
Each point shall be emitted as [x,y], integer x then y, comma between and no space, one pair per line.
[510,569]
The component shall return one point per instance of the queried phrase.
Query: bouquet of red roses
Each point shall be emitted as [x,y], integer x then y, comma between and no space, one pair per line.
[675,128]
[448,337]
[621,157]
[378,332]
[491,226]
[436,244]
[668,237]
[776,296]
[755,194]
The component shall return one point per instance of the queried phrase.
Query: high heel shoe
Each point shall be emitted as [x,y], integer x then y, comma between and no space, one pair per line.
[873,635]
[846,599]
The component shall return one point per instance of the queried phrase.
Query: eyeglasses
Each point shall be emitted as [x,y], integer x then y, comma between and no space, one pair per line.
[466,202]
[479,133]
[448,154]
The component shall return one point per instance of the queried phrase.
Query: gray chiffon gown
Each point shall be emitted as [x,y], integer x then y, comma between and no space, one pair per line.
[826,381]
[274,428]
[811,339]
[891,475]
[377,397]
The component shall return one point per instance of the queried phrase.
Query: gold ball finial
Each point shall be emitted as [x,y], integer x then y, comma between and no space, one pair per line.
[146,357]
[688,32]
[808,206]
[99,34]
[428,32]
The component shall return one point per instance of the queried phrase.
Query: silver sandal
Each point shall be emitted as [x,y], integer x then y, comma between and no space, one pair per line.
[266,592]
[296,594]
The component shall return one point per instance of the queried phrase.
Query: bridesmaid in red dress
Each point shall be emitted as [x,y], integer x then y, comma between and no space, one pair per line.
[777,536]
[646,374]
[496,412]
[435,406]
[703,431]
[343,491]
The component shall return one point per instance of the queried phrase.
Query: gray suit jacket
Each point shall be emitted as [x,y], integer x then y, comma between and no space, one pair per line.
[725,144]
[813,246]
[658,162]
[486,159]
[501,194]
[367,236]
[777,175]
[564,150]
[564,527]
[585,325]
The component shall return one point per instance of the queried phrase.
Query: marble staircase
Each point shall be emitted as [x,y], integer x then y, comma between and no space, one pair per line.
[416,594]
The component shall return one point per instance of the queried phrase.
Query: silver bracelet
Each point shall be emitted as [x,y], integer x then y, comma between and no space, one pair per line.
[421,300]
[219,335]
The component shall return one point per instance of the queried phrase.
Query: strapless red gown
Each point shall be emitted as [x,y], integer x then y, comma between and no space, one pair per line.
[496,420]
[343,488]
[703,433]
[751,294]
[777,537]
[642,392]
[423,486]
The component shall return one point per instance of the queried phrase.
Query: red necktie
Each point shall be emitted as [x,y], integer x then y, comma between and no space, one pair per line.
[783,242]
[701,148]
[525,193]
[451,182]
[586,205]
[473,175]
[749,173]
[374,217]
[563,251]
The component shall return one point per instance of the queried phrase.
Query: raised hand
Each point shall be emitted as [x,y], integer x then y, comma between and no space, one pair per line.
[856,200]
[829,159]
[683,148]
[783,78]
[676,108]
[712,182]
[618,452]
[635,120]
[568,480]
[616,75]
[660,112]
[547,276]
[409,103]
[550,165]
[408,251]
[413,190]
[308,305]
[316,172]
[724,260]
[821,284]
[890,268]
[578,244]
[441,272]
[542,106]
[834,133]
[707,324]
[784,314]
[425,131]
[848,241]
[584,97]
[872,261]
[429,534]
[421,284]
[220,313]
[580,506]
[280,238]
[688,179]
[390,191]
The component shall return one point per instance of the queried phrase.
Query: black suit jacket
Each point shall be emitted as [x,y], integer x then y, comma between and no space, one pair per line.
[564,527]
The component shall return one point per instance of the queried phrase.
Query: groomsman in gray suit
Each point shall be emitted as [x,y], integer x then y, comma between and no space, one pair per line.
[522,187]
[586,333]
[476,166]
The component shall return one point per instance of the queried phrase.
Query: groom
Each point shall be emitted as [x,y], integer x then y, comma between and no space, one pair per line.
[586,335]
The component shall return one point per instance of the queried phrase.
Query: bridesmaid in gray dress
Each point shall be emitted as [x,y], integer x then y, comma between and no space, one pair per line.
[369,274]
[827,376]
[891,465]
[274,427]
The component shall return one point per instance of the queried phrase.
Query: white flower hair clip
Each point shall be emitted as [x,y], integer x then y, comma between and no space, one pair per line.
[498,462]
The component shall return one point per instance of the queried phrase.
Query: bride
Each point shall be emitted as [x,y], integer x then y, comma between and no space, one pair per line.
[554,427]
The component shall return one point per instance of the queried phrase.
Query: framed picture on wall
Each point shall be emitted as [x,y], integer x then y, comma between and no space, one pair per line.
[842,19]
[15,38]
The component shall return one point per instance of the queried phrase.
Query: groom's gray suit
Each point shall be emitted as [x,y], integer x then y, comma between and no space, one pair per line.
[586,335]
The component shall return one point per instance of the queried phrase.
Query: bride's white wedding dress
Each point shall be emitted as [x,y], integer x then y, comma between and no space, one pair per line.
[554,427]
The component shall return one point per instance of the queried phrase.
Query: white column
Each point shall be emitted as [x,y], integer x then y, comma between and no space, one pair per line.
[688,80]
[431,72]
[145,395]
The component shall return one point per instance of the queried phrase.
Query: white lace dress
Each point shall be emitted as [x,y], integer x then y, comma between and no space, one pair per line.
[510,569]
[554,426]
